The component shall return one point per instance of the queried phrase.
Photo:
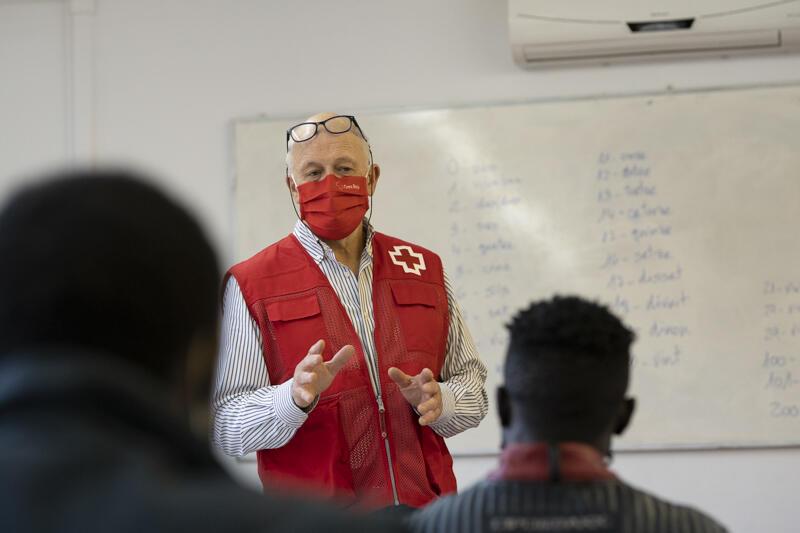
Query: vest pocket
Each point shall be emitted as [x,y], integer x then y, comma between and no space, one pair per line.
[295,324]
[316,461]
[295,308]
[421,316]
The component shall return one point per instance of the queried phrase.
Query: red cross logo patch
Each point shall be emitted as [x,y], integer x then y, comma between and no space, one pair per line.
[411,261]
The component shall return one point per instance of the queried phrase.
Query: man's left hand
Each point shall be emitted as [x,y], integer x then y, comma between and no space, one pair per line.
[422,392]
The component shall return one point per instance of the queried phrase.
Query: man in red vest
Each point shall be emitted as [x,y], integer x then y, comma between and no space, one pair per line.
[345,359]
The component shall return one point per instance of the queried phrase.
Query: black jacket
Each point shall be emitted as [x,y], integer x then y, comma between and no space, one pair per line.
[87,445]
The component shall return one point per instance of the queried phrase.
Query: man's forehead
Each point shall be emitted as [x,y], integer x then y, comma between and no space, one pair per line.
[329,144]
[325,147]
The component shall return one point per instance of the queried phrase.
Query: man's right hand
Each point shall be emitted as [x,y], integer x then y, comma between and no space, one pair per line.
[312,375]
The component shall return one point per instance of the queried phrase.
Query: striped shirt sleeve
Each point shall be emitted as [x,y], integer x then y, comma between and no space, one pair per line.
[248,412]
[464,399]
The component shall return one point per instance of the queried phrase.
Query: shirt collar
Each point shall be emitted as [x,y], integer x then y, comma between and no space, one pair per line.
[319,251]
[573,461]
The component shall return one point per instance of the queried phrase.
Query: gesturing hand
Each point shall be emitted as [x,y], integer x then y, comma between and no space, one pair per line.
[422,392]
[312,375]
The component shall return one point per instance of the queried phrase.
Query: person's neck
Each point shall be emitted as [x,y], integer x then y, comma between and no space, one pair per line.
[525,435]
[348,251]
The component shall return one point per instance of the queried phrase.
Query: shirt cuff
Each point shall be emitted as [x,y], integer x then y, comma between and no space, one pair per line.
[287,411]
[448,406]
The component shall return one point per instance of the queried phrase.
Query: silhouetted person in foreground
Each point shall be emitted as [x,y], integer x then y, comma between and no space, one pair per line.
[108,319]
[566,376]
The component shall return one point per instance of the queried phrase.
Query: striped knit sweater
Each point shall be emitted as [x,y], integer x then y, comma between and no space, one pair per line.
[541,506]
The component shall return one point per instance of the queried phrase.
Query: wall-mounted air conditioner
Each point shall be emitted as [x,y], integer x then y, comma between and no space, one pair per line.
[564,32]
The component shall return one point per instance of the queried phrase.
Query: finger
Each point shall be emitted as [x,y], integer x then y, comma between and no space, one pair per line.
[318,347]
[431,388]
[429,418]
[402,379]
[302,396]
[309,362]
[307,396]
[340,359]
[425,376]
[306,378]
[429,405]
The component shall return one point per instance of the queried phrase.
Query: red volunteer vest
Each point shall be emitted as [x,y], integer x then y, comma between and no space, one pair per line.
[341,450]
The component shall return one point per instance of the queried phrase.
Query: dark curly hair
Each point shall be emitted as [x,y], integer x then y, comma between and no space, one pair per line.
[568,362]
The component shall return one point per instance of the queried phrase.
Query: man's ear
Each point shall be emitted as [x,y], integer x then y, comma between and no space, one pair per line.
[625,414]
[292,188]
[503,406]
[373,180]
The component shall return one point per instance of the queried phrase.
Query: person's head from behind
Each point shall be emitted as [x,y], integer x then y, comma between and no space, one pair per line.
[566,374]
[100,262]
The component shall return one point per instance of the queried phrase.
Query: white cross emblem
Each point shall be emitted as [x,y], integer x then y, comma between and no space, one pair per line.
[411,261]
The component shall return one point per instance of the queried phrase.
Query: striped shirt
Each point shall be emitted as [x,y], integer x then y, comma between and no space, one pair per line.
[252,414]
[536,506]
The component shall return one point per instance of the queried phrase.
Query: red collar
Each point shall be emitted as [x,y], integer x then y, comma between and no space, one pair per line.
[532,462]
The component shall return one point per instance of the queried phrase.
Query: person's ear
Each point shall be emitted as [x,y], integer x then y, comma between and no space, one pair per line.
[503,406]
[625,414]
[373,179]
[195,388]
[292,188]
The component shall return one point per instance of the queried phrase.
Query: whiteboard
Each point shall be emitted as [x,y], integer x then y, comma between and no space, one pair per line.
[679,211]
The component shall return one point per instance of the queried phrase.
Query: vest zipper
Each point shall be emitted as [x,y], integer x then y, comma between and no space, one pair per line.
[385,435]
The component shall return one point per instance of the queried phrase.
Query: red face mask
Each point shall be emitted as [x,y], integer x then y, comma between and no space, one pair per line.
[334,207]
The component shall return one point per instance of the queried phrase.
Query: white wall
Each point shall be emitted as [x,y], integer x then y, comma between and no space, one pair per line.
[33,116]
[157,82]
